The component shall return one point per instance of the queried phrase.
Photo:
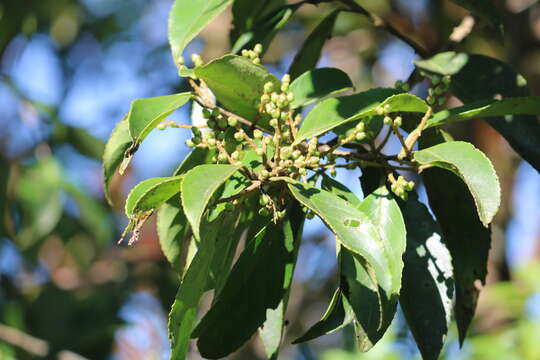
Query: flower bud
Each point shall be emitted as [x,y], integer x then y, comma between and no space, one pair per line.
[190,143]
[360,136]
[197,60]
[257,134]
[268,87]
[387,120]
[258,49]
[239,135]
[232,121]
[274,123]
[398,121]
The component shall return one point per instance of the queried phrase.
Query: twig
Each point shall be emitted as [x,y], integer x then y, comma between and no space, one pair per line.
[415,134]
[28,343]
[379,22]
[254,186]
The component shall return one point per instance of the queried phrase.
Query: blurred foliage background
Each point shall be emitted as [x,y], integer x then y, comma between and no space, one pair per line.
[68,72]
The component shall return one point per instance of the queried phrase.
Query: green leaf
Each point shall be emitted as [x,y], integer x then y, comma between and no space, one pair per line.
[258,281]
[310,52]
[340,190]
[187,18]
[529,105]
[117,145]
[465,236]
[337,111]
[247,14]
[93,215]
[184,309]
[271,333]
[151,193]
[373,306]
[146,114]
[427,287]
[353,229]
[198,186]
[172,229]
[478,77]
[237,83]
[316,84]
[197,156]
[473,167]
[338,315]
[39,200]
[485,9]
[265,29]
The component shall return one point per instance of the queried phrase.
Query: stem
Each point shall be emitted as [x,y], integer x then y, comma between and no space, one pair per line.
[415,134]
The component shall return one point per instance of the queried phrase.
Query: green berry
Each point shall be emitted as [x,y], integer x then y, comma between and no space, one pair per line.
[265,99]
[447,79]
[245,53]
[259,151]
[360,126]
[232,121]
[290,97]
[360,136]
[222,123]
[264,200]
[388,120]
[256,61]
[197,60]
[398,121]
[274,123]
[206,113]
[286,79]
[257,134]
[235,155]
[268,87]
[258,49]
[333,172]
[211,143]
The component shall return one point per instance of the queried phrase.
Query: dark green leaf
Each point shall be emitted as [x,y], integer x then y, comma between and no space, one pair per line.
[353,229]
[266,28]
[473,167]
[246,15]
[317,84]
[338,315]
[172,229]
[146,114]
[529,105]
[198,186]
[485,9]
[374,306]
[117,145]
[340,190]
[478,77]
[310,52]
[337,111]
[187,18]
[258,281]
[465,236]
[237,83]
[184,309]
[151,193]
[428,287]
[197,156]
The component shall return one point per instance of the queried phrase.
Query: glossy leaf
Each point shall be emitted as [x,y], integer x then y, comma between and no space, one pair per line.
[337,188]
[337,111]
[317,84]
[172,228]
[428,286]
[310,52]
[477,78]
[151,193]
[529,105]
[197,156]
[117,145]
[338,315]
[198,187]
[257,282]
[373,306]
[185,307]
[237,83]
[188,17]
[473,167]
[465,236]
[353,229]
[146,114]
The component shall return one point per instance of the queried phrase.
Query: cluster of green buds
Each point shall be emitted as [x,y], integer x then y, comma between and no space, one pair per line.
[402,86]
[253,55]
[437,93]
[196,59]
[401,187]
